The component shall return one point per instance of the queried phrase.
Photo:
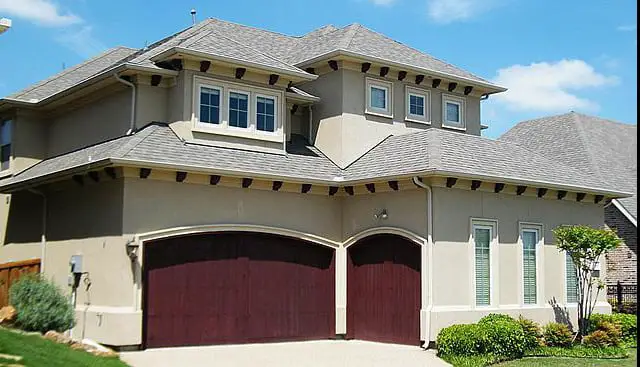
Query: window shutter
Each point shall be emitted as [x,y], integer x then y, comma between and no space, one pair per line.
[529,241]
[572,280]
[483,286]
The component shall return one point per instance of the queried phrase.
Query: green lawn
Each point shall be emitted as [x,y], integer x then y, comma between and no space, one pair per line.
[566,362]
[39,352]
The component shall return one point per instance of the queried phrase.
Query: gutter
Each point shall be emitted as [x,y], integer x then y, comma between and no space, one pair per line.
[43,237]
[427,250]
[132,122]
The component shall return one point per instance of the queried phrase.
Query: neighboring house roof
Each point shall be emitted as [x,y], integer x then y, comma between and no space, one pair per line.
[235,42]
[433,151]
[603,148]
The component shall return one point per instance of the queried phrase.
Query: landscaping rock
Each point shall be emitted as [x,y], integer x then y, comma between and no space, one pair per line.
[7,315]
[57,337]
[100,353]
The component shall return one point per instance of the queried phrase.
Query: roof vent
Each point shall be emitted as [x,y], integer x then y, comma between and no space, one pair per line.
[193,16]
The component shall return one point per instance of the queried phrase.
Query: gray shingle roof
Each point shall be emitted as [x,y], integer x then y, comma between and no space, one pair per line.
[604,148]
[433,151]
[251,45]
[73,75]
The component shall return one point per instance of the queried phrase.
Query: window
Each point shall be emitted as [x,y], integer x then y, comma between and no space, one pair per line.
[238,109]
[417,105]
[453,112]
[482,236]
[210,105]
[379,97]
[5,144]
[572,280]
[265,113]
[529,268]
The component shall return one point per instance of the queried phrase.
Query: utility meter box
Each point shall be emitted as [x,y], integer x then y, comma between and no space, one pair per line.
[76,264]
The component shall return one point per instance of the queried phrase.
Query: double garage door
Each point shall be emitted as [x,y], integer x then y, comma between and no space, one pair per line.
[238,287]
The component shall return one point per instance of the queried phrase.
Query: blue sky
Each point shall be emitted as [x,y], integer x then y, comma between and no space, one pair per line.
[554,56]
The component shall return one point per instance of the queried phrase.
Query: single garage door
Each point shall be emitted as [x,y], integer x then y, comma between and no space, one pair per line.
[383,290]
[237,288]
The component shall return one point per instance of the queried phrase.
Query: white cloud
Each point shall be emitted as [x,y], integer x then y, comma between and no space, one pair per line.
[82,42]
[42,12]
[383,2]
[448,11]
[549,86]
[627,28]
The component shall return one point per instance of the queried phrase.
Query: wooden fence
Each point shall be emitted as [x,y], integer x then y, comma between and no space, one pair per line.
[10,272]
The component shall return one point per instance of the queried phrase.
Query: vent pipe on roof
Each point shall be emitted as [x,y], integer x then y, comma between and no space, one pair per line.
[193,16]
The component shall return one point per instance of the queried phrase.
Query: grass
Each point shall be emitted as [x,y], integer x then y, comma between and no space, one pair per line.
[566,362]
[39,352]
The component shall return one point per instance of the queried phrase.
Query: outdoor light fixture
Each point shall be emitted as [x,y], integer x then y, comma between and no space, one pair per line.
[132,249]
[382,215]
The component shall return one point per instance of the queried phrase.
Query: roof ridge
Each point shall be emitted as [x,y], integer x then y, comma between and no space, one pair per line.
[73,68]
[351,32]
[252,27]
[145,129]
[576,119]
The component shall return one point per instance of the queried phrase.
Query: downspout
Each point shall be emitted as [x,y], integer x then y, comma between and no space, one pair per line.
[418,182]
[132,123]
[310,124]
[43,238]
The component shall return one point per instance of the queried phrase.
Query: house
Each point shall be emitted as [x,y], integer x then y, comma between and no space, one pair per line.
[606,149]
[229,184]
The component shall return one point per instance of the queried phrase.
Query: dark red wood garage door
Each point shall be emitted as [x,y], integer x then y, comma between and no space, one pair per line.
[383,290]
[237,288]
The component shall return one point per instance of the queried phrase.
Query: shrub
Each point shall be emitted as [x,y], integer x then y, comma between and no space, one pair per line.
[504,338]
[628,325]
[461,340]
[532,333]
[40,305]
[597,339]
[557,335]
[493,317]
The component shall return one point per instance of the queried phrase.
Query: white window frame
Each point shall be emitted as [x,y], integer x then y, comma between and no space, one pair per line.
[492,225]
[426,95]
[380,84]
[461,102]
[223,128]
[10,144]
[220,89]
[538,228]
[228,109]
[276,114]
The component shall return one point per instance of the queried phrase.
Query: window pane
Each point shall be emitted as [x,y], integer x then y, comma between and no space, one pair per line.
[5,132]
[378,98]
[270,123]
[453,112]
[265,114]
[572,280]
[242,119]
[204,114]
[233,118]
[260,122]
[416,105]
[482,237]
[238,109]
[214,115]
[529,241]
[5,155]
[204,97]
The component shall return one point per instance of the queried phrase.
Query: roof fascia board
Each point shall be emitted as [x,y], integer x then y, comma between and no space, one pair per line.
[299,97]
[492,87]
[625,212]
[299,76]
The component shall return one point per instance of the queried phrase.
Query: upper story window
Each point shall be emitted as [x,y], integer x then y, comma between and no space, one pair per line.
[379,97]
[453,112]
[418,103]
[210,111]
[5,144]
[233,109]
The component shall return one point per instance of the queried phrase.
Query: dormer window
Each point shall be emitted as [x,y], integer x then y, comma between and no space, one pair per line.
[418,105]
[5,144]
[379,97]
[210,105]
[265,113]
[239,109]
[453,112]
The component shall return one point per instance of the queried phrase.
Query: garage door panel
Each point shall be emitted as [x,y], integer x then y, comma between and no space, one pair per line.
[237,287]
[383,290]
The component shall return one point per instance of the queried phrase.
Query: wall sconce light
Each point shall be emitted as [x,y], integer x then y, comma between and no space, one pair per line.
[132,249]
[382,215]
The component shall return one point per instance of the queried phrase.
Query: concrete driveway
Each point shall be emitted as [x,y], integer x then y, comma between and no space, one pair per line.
[334,353]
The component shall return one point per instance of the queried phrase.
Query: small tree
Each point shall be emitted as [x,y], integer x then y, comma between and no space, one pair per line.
[585,245]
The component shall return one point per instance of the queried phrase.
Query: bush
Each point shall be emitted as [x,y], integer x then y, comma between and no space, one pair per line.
[532,333]
[504,338]
[608,334]
[493,317]
[628,325]
[557,335]
[461,340]
[40,305]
